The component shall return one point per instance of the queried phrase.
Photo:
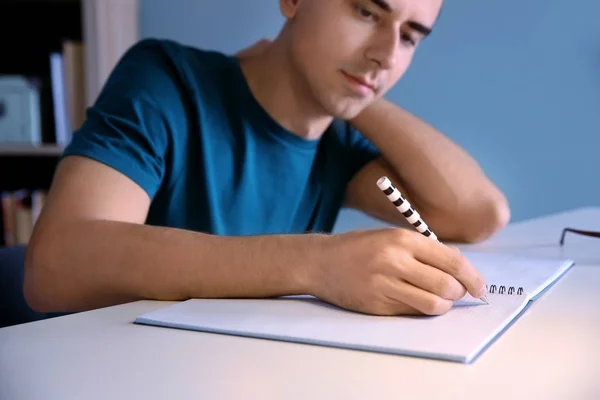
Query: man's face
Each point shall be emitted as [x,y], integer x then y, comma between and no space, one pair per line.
[349,52]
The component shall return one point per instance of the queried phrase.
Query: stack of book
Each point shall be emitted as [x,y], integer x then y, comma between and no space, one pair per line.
[42,73]
[54,103]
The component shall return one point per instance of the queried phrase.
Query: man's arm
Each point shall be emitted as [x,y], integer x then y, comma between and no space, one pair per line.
[90,249]
[443,183]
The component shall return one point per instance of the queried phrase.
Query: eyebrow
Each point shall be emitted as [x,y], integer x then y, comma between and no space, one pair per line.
[385,6]
[419,28]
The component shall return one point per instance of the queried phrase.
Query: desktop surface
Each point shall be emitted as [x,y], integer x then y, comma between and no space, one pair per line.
[551,352]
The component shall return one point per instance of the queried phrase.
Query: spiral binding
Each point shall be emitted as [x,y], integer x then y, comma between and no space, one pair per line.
[504,290]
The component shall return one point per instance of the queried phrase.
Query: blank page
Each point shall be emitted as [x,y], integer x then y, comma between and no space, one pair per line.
[457,336]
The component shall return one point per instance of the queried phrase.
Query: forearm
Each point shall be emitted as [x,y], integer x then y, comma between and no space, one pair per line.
[439,177]
[102,263]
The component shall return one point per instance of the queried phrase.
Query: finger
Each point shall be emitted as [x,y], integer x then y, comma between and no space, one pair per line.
[448,259]
[394,307]
[405,294]
[430,279]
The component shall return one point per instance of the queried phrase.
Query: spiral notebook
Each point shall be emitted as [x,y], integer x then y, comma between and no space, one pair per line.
[460,335]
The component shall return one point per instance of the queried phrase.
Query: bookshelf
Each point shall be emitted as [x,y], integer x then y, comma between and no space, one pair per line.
[26,150]
[56,56]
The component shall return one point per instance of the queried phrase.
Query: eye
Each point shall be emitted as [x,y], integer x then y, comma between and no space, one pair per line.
[364,13]
[407,39]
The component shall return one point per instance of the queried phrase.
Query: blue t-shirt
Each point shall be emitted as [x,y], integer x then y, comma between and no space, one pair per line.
[182,123]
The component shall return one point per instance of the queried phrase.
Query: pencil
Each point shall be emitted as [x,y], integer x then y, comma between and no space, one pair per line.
[407,210]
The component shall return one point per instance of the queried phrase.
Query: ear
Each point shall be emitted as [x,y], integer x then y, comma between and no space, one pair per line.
[289,8]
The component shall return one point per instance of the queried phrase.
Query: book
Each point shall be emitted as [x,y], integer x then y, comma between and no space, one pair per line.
[460,335]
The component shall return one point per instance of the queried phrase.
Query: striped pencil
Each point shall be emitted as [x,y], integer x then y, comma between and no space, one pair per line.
[407,210]
[402,205]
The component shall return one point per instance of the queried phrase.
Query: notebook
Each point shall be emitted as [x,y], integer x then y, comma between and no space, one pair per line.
[460,335]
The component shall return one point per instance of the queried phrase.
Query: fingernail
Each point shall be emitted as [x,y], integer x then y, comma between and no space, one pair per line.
[483,291]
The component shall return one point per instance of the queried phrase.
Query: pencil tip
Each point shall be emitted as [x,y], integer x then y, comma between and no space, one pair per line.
[485,300]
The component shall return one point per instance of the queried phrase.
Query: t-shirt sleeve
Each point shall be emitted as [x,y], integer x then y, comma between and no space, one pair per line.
[360,151]
[129,127]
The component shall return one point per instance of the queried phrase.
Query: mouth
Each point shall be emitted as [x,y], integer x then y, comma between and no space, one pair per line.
[359,84]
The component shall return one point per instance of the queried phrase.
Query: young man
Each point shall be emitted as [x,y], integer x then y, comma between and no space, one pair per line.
[201,175]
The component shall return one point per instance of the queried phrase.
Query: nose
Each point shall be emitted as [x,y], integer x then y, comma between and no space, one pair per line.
[384,48]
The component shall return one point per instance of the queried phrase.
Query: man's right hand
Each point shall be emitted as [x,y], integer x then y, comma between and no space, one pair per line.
[393,272]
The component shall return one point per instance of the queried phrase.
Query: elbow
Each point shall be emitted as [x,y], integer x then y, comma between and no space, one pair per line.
[40,279]
[488,218]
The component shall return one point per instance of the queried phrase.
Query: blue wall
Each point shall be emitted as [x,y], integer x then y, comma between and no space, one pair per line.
[516,83]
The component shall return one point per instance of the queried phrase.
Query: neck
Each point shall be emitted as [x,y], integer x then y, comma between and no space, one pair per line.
[282,92]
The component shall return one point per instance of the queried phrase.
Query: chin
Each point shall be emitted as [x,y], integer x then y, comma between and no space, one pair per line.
[339,103]
[346,109]
[346,114]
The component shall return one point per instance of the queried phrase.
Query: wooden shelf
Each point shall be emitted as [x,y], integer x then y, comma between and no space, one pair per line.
[31,150]
[93,23]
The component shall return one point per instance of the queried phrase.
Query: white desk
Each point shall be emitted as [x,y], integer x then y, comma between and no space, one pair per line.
[551,352]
